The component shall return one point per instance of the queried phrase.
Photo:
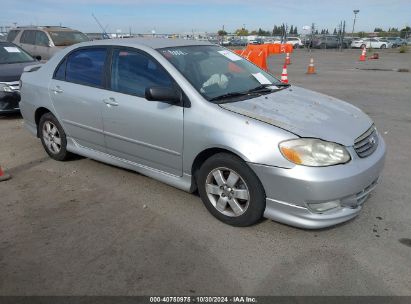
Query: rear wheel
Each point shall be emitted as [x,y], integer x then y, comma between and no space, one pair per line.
[53,137]
[230,190]
[383,46]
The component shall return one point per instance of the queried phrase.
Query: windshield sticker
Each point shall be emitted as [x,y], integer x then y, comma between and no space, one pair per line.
[261,78]
[230,55]
[12,49]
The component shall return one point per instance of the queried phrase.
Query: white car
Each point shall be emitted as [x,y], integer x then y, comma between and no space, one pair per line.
[295,41]
[370,43]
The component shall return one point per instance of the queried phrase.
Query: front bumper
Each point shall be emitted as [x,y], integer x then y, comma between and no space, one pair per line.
[289,191]
[9,102]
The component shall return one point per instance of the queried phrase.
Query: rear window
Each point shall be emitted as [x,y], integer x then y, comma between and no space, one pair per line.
[12,35]
[86,66]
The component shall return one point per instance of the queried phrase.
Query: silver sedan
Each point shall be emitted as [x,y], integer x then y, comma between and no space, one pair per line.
[198,117]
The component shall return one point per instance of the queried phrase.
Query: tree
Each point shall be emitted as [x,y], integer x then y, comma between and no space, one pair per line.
[316,32]
[291,30]
[242,32]
[327,32]
[361,34]
[295,31]
[405,32]
[254,32]
[222,33]
[378,30]
[335,31]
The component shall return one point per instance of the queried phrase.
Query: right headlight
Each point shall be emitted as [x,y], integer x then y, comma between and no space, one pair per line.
[314,152]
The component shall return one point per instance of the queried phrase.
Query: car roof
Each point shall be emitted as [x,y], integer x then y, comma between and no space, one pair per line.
[154,43]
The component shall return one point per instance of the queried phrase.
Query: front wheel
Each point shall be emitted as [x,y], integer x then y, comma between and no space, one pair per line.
[53,137]
[230,190]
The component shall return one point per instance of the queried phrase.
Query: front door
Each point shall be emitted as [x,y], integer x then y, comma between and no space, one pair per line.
[149,133]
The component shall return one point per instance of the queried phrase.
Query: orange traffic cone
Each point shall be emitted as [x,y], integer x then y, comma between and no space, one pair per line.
[311,68]
[363,54]
[3,175]
[288,59]
[284,74]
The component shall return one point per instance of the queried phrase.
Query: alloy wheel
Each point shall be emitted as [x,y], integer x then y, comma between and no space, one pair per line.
[227,192]
[51,137]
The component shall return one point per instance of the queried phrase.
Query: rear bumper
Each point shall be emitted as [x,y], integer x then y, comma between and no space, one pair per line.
[289,191]
[9,102]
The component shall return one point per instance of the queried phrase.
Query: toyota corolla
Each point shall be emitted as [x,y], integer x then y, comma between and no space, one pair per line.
[198,117]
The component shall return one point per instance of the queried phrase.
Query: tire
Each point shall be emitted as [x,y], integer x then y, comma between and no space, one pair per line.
[53,137]
[383,46]
[236,197]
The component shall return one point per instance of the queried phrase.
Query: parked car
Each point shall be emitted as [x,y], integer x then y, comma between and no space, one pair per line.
[387,42]
[369,43]
[409,41]
[42,42]
[325,42]
[238,42]
[396,41]
[12,62]
[295,42]
[197,116]
[256,41]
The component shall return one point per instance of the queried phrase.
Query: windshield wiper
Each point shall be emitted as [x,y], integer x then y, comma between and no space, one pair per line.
[228,95]
[269,88]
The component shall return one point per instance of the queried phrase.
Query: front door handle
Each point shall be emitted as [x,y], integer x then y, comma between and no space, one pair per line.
[57,90]
[110,101]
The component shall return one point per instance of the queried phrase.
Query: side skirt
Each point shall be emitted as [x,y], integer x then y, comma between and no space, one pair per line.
[180,182]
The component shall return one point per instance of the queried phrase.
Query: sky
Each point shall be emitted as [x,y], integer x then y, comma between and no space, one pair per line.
[182,16]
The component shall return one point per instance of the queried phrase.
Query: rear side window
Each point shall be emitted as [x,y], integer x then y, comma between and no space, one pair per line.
[28,37]
[132,72]
[86,66]
[60,73]
[12,35]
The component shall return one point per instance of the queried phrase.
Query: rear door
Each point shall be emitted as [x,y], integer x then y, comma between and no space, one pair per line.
[77,91]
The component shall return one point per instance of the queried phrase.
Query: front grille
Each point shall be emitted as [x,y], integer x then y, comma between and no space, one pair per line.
[363,195]
[367,143]
[14,85]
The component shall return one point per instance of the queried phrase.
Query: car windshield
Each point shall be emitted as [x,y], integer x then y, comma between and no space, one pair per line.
[217,73]
[65,38]
[13,54]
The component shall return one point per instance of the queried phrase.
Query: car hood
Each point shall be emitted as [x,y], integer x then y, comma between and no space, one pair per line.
[12,71]
[306,114]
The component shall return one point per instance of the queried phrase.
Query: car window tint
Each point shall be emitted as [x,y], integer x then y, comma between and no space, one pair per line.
[12,35]
[86,66]
[132,72]
[60,73]
[41,39]
[28,37]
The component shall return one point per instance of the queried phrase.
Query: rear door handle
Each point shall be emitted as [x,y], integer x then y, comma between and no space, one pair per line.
[110,101]
[57,90]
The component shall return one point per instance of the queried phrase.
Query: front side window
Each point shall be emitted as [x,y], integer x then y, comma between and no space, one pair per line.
[41,39]
[12,35]
[66,38]
[86,66]
[132,72]
[215,72]
[28,37]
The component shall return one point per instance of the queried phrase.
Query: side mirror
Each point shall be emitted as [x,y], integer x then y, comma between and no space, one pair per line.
[164,94]
[38,58]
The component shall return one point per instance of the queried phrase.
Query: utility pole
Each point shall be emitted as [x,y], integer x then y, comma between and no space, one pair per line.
[355,18]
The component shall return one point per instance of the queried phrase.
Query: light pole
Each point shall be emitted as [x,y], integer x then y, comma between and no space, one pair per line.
[355,18]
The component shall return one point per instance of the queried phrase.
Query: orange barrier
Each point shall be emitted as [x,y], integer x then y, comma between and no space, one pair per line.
[258,53]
